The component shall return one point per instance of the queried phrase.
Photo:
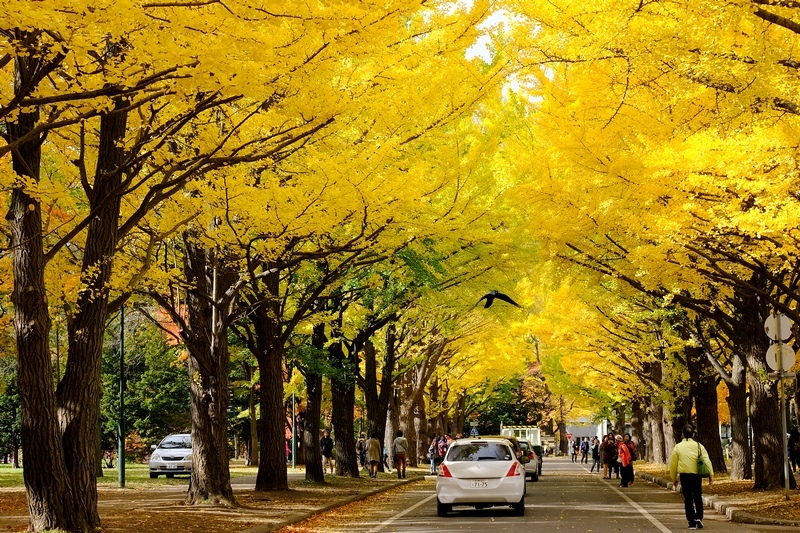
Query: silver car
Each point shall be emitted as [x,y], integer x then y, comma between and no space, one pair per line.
[480,473]
[532,468]
[173,455]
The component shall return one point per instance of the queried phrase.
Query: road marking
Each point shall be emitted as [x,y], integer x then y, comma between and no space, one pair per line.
[661,527]
[401,514]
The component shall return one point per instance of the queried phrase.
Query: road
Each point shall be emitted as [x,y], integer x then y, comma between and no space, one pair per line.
[566,498]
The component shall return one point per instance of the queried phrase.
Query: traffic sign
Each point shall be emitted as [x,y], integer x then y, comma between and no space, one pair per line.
[473,432]
[787,356]
[569,436]
[778,327]
[473,423]
[777,375]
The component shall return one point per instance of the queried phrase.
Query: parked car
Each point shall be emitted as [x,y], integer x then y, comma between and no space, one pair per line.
[532,468]
[481,472]
[173,455]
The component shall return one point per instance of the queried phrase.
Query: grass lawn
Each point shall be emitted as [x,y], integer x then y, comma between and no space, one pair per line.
[135,473]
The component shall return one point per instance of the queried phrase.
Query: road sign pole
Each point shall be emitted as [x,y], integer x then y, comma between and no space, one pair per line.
[778,328]
[783,412]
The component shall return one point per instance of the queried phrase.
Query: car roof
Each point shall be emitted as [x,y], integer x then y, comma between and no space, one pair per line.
[469,440]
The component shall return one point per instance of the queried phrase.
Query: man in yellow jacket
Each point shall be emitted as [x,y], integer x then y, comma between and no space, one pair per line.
[683,463]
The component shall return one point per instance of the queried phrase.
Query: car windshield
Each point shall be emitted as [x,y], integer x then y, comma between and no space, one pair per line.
[171,443]
[480,451]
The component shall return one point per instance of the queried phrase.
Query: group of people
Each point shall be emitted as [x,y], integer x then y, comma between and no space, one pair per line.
[437,449]
[371,454]
[616,454]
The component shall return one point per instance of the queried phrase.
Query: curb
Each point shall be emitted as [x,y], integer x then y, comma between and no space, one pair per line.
[300,516]
[730,510]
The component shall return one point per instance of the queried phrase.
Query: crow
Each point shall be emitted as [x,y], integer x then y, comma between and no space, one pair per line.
[490,297]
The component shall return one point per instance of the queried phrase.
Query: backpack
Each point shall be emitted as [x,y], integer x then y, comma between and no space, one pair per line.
[442,446]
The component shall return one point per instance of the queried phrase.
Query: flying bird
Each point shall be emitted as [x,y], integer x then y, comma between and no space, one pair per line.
[491,296]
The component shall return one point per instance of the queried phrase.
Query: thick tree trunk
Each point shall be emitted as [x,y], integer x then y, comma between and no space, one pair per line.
[270,354]
[47,483]
[343,400]
[752,343]
[311,430]
[741,456]
[658,448]
[637,424]
[705,401]
[208,366]
[647,435]
[79,391]
[380,400]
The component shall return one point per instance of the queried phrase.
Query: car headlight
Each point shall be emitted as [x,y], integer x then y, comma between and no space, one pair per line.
[155,457]
[188,457]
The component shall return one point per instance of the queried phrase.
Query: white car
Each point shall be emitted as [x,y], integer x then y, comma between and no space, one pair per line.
[173,455]
[480,473]
[532,468]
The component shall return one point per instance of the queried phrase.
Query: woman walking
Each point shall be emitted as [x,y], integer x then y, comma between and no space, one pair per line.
[373,454]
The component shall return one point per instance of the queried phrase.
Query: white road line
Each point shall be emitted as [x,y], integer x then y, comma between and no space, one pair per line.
[401,514]
[661,527]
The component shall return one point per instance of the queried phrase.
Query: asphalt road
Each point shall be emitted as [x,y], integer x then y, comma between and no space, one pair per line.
[566,498]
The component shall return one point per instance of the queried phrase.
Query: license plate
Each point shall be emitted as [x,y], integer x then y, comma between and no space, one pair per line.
[172,465]
[479,483]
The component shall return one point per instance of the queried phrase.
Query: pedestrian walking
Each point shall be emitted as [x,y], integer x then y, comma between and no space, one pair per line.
[432,454]
[361,451]
[573,450]
[373,454]
[794,448]
[326,449]
[595,455]
[400,450]
[624,460]
[628,440]
[585,450]
[683,467]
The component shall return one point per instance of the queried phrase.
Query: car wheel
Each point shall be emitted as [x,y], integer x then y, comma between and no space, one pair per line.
[170,476]
[535,476]
[153,475]
[442,509]
[540,470]
[519,507]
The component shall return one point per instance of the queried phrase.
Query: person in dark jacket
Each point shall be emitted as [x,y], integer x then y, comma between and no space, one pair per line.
[326,448]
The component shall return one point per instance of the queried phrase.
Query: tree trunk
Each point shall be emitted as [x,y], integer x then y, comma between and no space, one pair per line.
[270,354]
[658,448]
[741,455]
[705,401]
[79,390]
[637,424]
[208,366]
[752,344]
[343,399]
[47,483]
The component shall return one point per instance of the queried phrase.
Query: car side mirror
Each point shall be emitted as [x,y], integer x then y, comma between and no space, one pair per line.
[153,446]
[524,459]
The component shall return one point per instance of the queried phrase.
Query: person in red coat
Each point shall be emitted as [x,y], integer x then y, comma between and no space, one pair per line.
[626,463]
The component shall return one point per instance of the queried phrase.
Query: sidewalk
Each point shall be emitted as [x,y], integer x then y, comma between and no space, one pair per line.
[731,506]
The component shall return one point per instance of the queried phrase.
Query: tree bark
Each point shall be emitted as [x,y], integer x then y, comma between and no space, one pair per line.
[343,393]
[79,390]
[657,442]
[50,499]
[741,455]
[311,429]
[208,366]
[270,354]
[706,407]
[637,424]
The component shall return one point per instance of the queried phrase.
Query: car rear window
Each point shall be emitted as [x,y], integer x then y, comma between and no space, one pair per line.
[480,451]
